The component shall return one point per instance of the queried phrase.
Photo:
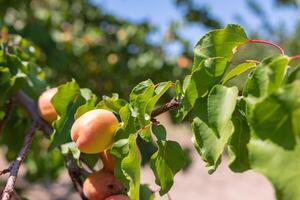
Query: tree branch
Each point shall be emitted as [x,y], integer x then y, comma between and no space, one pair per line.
[14,169]
[5,171]
[75,173]
[172,104]
[30,106]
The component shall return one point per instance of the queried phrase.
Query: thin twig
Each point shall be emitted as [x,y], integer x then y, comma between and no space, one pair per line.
[8,113]
[173,104]
[14,169]
[75,174]
[5,171]
[30,106]
[281,50]
[295,57]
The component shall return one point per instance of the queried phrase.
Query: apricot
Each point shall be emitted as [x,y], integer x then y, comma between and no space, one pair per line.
[108,160]
[45,107]
[94,131]
[118,197]
[101,184]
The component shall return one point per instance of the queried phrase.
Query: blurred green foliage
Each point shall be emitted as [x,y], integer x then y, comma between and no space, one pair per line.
[81,41]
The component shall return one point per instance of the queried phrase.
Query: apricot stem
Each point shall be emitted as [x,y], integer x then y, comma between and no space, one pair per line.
[262,42]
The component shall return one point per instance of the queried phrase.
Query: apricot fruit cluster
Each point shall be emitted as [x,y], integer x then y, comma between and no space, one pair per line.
[93,133]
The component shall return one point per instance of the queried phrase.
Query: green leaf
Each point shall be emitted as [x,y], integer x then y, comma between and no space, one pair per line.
[221,104]
[272,117]
[238,70]
[131,168]
[221,42]
[212,127]
[212,55]
[120,150]
[112,103]
[237,147]
[71,148]
[274,148]
[128,123]
[142,101]
[89,105]
[179,90]
[165,163]
[279,165]
[159,131]
[294,74]
[146,193]
[140,89]
[159,92]
[4,75]
[66,101]
[208,73]
[267,77]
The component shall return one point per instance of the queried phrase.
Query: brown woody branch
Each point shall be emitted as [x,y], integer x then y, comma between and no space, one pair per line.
[29,105]
[171,105]
[5,171]
[75,174]
[14,169]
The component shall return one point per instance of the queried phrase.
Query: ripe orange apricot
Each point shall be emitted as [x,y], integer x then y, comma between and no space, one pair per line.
[45,107]
[94,131]
[118,197]
[101,184]
[108,160]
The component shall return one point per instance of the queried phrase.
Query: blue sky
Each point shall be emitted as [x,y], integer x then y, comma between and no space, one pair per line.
[162,12]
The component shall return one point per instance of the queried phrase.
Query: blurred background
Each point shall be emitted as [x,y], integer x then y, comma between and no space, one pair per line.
[111,45]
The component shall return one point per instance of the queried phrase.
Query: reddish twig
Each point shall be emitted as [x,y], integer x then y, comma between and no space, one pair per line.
[14,169]
[8,113]
[295,57]
[261,42]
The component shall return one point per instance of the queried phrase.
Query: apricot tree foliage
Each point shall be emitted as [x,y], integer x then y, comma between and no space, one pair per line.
[257,122]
